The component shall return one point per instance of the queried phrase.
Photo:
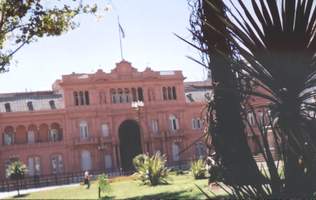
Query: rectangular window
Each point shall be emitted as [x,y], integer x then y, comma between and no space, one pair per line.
[83,132]
[108,161]
[57,164]
[105,130]
[7,107]
[196,123]
[52,104]
[154,126]
[30,106]
[34,166]
[174,124]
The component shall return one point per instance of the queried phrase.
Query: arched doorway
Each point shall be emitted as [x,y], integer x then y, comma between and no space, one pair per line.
[130,143]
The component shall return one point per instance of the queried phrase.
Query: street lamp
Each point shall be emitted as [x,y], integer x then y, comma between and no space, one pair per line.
[137,106]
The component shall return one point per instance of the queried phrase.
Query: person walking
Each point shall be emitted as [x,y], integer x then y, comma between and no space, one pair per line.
[87,179]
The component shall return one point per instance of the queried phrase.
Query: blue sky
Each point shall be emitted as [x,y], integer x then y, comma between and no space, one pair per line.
[149,41]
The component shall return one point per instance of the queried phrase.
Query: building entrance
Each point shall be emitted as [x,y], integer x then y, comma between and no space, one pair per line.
[130,143]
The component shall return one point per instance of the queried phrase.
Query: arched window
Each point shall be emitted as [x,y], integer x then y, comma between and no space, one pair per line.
[84,133]
[86,163]
[113,96]
[120,95]
[34,166]
[174,123]
[175,152]
[8,136]
[134,94]
[76,98]
[126,94]
[87,100]
[174,93]
[81,98]
[105,130]
[53,135]
[164,93]
[140,94]
[30,137]
[169,93]
[57,164]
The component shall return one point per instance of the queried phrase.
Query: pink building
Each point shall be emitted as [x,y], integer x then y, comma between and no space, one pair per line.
[87,122]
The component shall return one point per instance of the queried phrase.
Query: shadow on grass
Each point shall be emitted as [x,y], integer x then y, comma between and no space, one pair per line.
[165,195]
[107,198]
[175,195]
[21,196]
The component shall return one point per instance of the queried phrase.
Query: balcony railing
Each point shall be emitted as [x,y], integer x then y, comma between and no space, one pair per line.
[33,145]
[174,133]
[88,140]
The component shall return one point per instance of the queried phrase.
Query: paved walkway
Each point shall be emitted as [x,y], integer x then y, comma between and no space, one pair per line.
[10,194]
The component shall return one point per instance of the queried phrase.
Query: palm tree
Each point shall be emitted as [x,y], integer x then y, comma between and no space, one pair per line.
[16,171]
[228,134]
[277,44]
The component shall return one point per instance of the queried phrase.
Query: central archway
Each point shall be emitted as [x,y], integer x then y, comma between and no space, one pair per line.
[130,143]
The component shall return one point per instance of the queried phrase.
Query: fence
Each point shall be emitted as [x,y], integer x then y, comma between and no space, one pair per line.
[52,179]
[68,178]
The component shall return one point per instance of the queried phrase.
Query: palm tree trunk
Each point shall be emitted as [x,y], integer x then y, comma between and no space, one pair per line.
[229,136]
[18,186]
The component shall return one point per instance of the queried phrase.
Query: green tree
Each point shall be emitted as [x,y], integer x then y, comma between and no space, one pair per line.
[103,184]
[16,171]
[23,22]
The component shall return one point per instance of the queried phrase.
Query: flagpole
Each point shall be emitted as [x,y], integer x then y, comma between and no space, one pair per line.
[120,36]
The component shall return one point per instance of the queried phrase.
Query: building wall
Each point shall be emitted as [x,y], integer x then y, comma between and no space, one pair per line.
[101,109]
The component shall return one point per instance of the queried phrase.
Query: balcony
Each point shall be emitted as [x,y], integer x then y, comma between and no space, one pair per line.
[84,141]
[22,146]
[174,133]
[106,139]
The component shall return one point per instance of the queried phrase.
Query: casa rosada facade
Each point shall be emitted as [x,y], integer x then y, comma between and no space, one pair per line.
[100,121]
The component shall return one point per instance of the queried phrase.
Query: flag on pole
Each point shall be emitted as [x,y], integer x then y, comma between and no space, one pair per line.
[121,30]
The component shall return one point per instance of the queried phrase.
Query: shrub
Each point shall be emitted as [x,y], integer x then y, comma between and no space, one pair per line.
[198,169]
[103,184]
[16,171]
[151,170]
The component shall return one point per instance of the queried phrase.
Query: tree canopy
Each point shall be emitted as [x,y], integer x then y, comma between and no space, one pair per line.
[25,21]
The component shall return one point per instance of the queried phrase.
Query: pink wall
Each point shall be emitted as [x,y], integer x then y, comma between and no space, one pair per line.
[97,113]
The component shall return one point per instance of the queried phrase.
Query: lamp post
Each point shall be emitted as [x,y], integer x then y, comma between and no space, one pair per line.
[137,106]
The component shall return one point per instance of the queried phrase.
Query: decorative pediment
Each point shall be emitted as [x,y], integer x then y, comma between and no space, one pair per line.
[124,67]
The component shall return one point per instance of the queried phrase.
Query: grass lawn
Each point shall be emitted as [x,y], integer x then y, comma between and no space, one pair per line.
[179,187]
